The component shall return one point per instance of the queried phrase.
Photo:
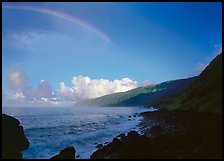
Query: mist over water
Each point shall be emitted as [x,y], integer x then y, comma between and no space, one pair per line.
[51,129]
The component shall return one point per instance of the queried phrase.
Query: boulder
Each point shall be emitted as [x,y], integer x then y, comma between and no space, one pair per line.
[121,136]
[67,153]
[13,139]
[132,134]
[99,146]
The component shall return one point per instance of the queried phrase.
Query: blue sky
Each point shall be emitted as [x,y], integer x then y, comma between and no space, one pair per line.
[149,42]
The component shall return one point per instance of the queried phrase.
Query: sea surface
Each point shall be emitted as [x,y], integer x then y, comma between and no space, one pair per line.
[51,129]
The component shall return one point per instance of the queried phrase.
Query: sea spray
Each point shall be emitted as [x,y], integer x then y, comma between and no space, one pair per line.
[50,130]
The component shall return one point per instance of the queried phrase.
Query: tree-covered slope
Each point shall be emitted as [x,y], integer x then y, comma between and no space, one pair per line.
[205,93]
[140,96]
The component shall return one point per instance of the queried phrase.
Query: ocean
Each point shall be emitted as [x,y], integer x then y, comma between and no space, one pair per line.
[51,129]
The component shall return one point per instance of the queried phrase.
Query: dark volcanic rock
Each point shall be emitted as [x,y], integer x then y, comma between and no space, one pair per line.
[121,136]
[157,130]
[67,153]
[13,139]
[188,135]
[133,134]
[116,140]
[99,146]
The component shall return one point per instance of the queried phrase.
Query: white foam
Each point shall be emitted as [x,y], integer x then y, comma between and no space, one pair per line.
[51,130]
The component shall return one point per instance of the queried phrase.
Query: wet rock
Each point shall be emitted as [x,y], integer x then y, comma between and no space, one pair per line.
[121,136]
[133,134]
[99,146]
[67,153]
[13,139]
[135,114]
[197,135]
[115,140]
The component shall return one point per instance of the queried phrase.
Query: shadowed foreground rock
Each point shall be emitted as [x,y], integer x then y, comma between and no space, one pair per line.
[13,139]
[67,153]
[176,135]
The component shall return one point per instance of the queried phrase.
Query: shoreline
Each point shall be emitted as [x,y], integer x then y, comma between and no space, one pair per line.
[169,135]
[164,134]
[129,123]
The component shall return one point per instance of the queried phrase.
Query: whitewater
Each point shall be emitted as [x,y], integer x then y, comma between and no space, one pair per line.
[51,129]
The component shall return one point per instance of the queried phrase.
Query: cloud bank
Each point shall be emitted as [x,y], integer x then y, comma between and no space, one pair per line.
[42,95]
[20,93]
[85,88]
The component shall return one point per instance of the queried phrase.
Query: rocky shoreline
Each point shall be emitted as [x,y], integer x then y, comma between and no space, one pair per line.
[165,135]
[169,135]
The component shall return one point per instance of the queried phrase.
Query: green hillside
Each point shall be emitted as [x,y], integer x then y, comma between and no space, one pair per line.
[205,93]
[139,96]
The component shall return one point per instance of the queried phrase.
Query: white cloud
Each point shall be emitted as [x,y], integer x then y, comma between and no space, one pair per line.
[43,93]
[44,89]
[84,87]
[16,79]
[36,41]
[42,42]
[66,91]
[20,94]
[44,99]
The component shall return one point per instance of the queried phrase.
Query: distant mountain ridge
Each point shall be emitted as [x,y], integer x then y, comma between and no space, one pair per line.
[139,96]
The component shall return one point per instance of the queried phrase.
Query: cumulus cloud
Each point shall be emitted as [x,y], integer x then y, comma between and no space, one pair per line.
[16,79]
[44,89]
[43,92]
[84,88]
[21,92]
[67,92]
[18,95]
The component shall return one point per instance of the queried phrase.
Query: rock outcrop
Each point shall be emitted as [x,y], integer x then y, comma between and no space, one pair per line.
[13,139]
[175,135]
[67,153]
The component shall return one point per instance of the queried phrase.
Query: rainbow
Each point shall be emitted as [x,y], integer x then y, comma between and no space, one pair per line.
[62,15]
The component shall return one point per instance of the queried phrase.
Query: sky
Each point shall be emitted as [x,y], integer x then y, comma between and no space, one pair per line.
[55,54]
